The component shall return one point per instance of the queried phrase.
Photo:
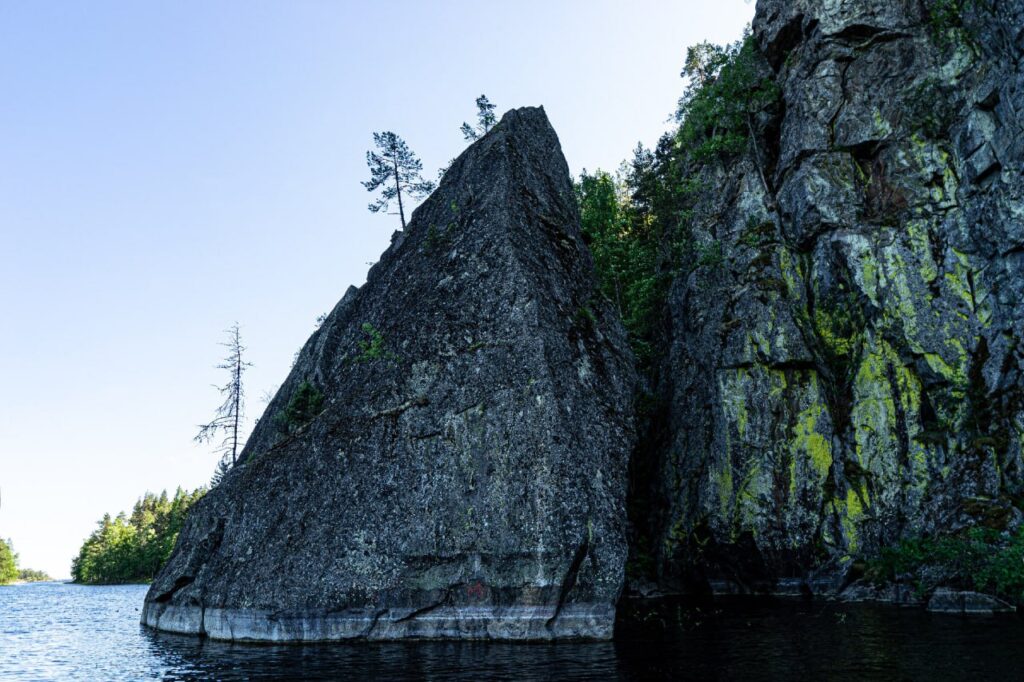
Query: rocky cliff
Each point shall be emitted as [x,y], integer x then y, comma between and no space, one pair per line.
[448,455]
[838,367]
[846,371]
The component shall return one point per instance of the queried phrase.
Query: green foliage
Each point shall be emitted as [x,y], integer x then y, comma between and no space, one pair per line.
[394,170]
[433,238]
[129,549]
[710,255]
[980,559]
[437,237]
[8,563]
[638,222]
[946,21]
[757,232]
[372,347]
[625,242]
[305,403]
[485,120]
[30,575]
[585,315]
[725,89]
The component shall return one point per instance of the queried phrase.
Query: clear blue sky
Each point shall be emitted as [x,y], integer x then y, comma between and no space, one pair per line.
[169,168]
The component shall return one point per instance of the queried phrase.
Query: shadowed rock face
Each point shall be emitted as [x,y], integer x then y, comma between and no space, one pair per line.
[448,455]
[851,373]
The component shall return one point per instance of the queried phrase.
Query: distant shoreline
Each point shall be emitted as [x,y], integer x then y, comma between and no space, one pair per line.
[35,582]
[69,581]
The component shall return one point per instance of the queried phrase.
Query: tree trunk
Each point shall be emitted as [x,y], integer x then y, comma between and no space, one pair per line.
[238,400]
[398,189]
[238,397]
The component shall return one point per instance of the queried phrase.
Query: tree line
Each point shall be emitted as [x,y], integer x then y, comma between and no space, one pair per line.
[9,570]
[133,547]
[8,563]
[637,221]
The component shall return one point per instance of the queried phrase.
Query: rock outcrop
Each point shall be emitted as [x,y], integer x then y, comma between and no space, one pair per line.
[842,369]
[448,456]
[956,602]
[849,371]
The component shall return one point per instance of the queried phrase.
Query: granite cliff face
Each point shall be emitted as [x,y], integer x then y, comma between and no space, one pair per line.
[841,370]
[849,371]
[448,455]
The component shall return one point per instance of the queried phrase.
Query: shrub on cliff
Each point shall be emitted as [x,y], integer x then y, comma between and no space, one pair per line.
[726,88]
[979,559]
[305,404]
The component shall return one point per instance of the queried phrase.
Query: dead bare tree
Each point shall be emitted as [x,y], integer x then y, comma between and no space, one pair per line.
[227,420]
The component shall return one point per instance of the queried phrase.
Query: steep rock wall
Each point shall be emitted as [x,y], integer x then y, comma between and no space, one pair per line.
[848,373]
[448,455]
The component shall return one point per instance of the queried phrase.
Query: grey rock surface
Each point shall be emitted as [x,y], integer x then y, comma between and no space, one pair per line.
[897,594]
[945,600]
[852,372]
[448,456]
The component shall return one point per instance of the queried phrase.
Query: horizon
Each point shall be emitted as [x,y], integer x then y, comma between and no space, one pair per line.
[174,169]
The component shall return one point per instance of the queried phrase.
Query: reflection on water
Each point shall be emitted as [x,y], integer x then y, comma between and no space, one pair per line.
[54,631]
[189,659]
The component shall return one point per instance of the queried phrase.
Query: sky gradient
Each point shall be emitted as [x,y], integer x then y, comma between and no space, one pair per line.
[170,168]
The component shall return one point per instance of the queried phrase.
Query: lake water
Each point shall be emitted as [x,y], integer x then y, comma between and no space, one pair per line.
[53,631]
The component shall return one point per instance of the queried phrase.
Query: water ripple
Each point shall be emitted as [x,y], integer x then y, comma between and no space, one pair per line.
[56,632]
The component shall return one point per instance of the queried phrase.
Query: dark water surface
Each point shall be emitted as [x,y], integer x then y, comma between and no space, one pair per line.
[53,631]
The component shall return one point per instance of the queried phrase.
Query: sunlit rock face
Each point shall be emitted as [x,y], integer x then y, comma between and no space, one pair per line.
[850,372]
[448,456]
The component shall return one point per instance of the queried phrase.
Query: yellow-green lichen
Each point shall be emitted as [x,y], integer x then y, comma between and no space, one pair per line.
[883,426]
[882,127]
[790,273]
[959,284]
[808,438]
[837,329]
[956,376]
[907,302]
[873,411]
[920,243]
[723,488]
[734,399]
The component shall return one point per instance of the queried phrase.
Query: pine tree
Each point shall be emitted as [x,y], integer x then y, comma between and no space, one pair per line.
[485,120]
[219,473]
[394,170]
[227,420]
[8,563]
